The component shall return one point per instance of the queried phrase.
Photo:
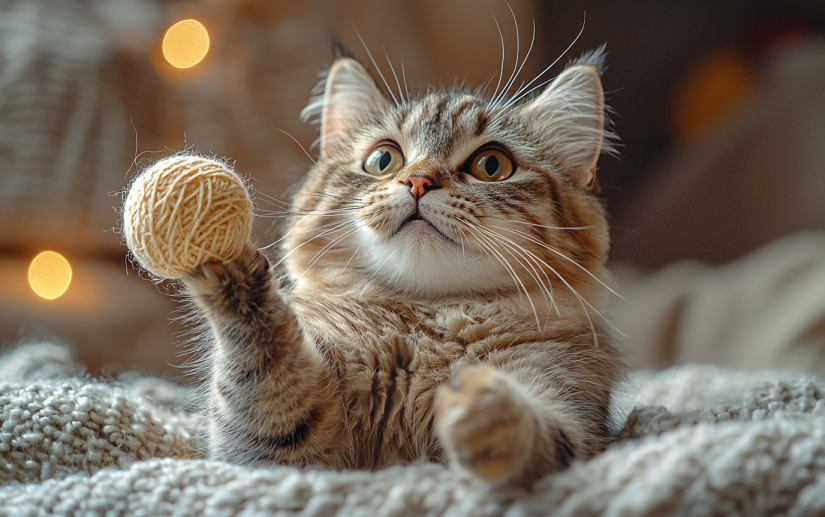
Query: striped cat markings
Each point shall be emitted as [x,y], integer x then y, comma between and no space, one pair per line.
[436,293]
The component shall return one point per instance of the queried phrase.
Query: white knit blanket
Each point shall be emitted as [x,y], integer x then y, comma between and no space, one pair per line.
[702,441]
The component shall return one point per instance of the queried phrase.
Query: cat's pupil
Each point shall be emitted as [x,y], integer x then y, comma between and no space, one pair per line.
[386,158]
[491,165]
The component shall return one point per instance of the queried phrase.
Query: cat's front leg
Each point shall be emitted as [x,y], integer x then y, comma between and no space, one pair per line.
[507,433]
[268,397]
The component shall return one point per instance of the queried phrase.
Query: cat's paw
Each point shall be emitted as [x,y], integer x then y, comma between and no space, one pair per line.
[484,424]
[240,286]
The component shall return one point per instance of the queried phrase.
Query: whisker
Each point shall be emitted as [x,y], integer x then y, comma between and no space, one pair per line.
[527,56]
[582,300]
[511,269]
[541,226]
[562,255]
[306,212]
[518,95]
[463,236]
[544,290]
[493,253]
[503,260]
[548,286]
[281,203]
[289,234]
[321,253]
[384,223]
[529,50]
[353,255]
[404,76]
[287,208]
[273,200]
[341,225]
[398,84]
[294,214]
[581,31]
[375,65]
[508,84]
[316,163]
[373,275]
[358,248]
[501,70]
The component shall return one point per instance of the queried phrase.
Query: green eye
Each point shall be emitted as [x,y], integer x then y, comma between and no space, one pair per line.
[384,159]
[491,165]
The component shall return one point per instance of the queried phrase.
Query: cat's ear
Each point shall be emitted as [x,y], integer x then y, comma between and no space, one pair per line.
[347,93]
[570,112]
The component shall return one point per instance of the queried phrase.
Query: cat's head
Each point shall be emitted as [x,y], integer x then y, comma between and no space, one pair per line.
[452,193]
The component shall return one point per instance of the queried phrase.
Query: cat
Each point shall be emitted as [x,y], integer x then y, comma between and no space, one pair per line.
[444,272]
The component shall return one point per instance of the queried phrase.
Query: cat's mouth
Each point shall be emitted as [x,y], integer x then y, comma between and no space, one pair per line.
[416,216]
[416,221]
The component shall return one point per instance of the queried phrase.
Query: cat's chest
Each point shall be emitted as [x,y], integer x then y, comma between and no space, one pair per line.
[389,335]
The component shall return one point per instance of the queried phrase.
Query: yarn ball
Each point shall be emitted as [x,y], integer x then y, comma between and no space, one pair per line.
[184,211]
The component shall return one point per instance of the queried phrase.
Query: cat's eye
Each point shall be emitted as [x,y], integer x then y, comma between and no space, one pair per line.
[491,165]
[385,158]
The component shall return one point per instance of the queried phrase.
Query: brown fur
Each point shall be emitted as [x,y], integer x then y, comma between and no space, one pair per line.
[458,350]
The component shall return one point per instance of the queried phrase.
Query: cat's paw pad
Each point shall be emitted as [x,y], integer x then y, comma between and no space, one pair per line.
[484,424]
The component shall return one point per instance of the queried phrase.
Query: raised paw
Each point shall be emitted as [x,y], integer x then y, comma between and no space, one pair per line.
[484,424]
[239,287]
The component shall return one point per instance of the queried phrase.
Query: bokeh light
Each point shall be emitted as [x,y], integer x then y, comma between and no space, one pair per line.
[50,275]
[185,43]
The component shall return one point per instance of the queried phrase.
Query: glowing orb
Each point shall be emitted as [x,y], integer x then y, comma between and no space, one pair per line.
[50,275]
[185,43]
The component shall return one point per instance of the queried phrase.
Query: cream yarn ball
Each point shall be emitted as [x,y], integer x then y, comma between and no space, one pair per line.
[186,210]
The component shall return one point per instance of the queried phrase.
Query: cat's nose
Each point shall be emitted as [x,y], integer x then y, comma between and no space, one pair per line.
[419,185]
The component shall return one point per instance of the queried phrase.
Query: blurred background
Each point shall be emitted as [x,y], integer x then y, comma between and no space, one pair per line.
[716,200]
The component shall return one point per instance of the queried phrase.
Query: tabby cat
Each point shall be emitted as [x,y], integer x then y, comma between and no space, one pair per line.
[442,287]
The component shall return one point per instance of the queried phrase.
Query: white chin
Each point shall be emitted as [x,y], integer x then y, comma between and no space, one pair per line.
[420,260]
[420,229]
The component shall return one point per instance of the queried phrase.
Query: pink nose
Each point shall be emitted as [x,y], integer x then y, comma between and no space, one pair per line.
[419,185]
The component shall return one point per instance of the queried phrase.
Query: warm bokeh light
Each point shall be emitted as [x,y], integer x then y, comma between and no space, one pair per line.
[185,43]
[50,275]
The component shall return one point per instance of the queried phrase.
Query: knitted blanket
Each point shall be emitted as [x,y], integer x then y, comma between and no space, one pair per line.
[700,441]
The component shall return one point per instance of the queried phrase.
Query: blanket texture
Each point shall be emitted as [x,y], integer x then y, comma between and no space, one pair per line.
[695,440]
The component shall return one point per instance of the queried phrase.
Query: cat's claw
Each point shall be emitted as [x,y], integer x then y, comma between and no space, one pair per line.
[484,424]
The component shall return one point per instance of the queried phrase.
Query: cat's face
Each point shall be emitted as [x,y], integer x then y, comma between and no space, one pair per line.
[452,193]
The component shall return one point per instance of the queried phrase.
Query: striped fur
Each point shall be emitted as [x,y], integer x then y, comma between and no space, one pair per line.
[476,339]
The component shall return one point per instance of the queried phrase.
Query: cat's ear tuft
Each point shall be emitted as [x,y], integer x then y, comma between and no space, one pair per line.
[571,113]
[340,50]
[346,93]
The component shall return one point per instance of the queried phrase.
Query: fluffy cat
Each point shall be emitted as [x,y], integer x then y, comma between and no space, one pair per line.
[443,276]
